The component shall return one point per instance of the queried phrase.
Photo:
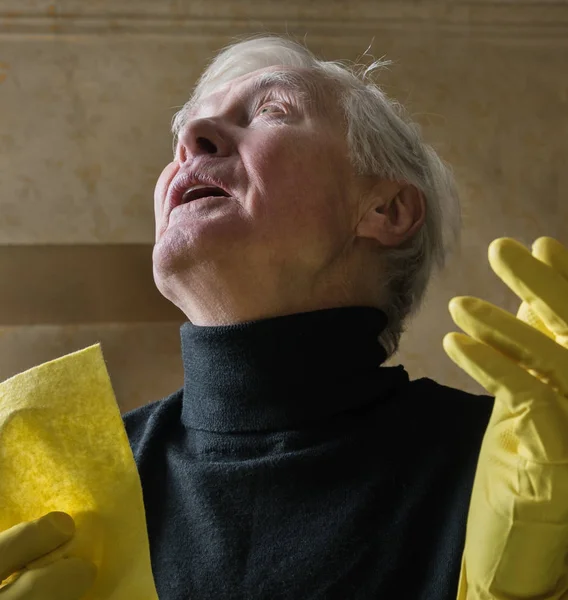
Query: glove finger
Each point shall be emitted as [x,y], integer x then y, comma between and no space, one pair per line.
[516,340]
[499,375]
[527,315]
[532,414]
[544,289]
[27,541]
[65,579]
[553,253]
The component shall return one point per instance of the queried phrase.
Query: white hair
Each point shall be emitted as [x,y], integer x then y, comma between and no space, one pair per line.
[383,142]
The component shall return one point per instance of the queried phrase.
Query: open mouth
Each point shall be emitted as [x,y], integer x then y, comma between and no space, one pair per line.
[202,191]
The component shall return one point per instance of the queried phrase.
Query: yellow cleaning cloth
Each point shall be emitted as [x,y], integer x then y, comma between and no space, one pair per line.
[63,447]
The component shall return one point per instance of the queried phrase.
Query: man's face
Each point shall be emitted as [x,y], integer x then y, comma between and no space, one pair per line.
[281,154]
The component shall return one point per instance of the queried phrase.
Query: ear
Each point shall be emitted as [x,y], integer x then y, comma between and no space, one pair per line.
[398,213]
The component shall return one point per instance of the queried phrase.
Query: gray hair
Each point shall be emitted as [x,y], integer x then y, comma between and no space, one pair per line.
[383,142]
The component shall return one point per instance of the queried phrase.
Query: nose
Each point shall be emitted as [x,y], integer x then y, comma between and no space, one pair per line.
[203,136]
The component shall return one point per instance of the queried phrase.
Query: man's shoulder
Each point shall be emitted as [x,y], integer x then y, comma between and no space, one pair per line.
[429,386]
[452,404]
[444,421]
[143,421]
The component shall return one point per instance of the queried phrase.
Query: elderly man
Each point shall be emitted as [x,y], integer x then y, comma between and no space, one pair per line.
[297,228]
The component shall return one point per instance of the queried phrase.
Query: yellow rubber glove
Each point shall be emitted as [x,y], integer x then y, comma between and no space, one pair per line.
[65,579]
[517,532]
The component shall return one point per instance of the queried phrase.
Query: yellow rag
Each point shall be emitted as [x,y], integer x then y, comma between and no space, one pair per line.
[63,447]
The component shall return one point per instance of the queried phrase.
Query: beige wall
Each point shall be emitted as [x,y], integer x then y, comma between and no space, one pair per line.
[87,92]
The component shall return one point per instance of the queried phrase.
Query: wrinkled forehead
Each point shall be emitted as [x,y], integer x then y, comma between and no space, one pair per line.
[312,88]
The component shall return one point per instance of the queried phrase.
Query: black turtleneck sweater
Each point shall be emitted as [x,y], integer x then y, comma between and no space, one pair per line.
[292,465]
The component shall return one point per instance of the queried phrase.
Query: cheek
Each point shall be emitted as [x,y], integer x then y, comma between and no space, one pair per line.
[268,162]
[299,199]
[292,166]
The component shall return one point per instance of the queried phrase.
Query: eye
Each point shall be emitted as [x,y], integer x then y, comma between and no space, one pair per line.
[266,108]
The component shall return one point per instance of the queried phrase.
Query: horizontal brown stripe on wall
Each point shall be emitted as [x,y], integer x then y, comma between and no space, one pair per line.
[60,284]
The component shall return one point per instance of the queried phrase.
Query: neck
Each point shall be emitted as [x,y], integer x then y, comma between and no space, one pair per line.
[290,371]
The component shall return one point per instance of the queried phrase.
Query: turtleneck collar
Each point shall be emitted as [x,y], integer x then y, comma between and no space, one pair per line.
[286,372]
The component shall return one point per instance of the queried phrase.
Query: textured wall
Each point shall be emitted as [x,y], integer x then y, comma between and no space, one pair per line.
[87,92]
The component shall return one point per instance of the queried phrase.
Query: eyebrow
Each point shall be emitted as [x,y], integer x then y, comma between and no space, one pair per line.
[298,82]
